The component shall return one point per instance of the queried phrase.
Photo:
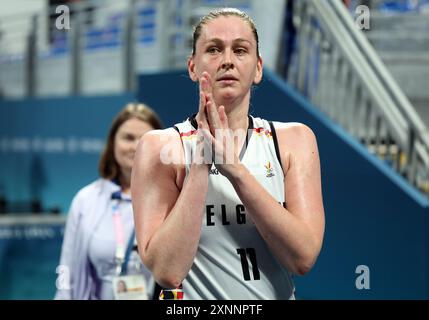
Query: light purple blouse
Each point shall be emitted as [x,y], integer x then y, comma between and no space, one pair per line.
[89,243]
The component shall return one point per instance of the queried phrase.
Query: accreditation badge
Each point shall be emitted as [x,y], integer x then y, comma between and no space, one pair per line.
[130,287]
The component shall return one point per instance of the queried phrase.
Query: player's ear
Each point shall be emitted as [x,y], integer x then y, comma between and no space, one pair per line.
[191,69]
[259,71]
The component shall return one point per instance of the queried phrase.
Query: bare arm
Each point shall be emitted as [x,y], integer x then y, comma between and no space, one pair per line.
[295,234]
[168,218]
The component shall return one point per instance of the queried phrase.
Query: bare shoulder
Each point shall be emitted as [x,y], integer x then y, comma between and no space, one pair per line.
[156,139]
[296,141]
[295,135]
[294,129]
[163,145]
[160,151]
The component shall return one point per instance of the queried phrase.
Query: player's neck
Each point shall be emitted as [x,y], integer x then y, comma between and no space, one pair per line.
[237,115]
[238,122]
[238,119]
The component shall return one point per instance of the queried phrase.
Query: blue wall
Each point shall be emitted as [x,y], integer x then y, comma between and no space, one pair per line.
[373,217]
[173,95]
[49,148]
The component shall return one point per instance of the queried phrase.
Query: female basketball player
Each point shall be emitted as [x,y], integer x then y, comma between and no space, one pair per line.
[232,224]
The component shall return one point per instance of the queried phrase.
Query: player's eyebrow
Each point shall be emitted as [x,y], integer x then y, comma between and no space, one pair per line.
[218,40]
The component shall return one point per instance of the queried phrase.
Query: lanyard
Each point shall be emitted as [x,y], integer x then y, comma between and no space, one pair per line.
[121,257]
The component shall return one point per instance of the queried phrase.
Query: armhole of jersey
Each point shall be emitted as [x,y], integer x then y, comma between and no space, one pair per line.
[180,137]
[276,143]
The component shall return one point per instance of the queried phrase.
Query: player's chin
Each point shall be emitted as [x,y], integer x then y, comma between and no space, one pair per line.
[228,99]
[228,93]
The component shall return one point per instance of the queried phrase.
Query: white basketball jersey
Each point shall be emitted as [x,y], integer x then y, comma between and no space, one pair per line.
[233,261]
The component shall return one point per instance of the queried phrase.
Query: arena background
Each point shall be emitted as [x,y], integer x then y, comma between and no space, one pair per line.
[50,142]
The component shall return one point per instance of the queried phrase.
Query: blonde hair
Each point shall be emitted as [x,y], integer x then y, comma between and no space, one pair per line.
[224,12]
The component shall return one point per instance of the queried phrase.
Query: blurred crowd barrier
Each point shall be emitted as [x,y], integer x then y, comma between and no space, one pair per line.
[29,254]
[98,47]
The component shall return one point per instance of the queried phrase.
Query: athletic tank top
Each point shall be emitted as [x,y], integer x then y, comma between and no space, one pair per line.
[233,261]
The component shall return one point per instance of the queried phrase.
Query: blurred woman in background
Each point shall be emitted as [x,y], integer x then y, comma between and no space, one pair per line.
[99,248]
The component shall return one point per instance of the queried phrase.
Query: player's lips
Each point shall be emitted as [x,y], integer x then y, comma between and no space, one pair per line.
[227,77]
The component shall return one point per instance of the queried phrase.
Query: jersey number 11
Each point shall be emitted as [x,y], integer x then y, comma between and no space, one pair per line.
[245,264]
